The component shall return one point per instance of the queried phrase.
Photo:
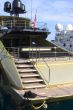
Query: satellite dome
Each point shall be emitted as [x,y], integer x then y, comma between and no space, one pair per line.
[69,27]
[58,27]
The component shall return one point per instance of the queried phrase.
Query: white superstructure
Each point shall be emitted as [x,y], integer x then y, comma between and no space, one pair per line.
[64,37]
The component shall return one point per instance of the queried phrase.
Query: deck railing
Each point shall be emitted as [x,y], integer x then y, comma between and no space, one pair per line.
[35,54]
[38,53]
[23,24]
[14,51]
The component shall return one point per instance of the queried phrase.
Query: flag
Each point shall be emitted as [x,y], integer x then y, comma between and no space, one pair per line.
[35,22]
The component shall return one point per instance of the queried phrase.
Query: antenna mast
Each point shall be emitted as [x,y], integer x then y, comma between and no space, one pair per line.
[15,8]
[31,10]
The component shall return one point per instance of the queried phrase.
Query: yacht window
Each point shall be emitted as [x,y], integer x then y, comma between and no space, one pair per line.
[70,45]
[64,45]
[71,36]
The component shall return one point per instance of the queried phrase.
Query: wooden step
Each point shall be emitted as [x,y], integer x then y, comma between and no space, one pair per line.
[26,70]
[28,75]
[21,61]
[24,66]
[30,80]
[34,85]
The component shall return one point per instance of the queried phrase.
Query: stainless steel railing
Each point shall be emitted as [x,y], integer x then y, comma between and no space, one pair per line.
[14,51]
[41,73]
[23,23]
[39,52]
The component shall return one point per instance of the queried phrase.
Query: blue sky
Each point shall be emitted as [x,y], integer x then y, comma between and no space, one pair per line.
[48,11]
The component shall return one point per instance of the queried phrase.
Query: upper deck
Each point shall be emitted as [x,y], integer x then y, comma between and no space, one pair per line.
[23,25]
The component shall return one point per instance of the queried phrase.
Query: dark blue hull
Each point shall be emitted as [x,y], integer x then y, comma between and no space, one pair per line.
[6,103]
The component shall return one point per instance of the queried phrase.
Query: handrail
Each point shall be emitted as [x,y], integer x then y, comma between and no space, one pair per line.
[35,52]
[14,50]
[48,68]
[45,61]
[24,23]
[46,65]
[43,75]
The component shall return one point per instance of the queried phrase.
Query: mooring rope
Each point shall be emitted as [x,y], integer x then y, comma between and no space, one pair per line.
[42,105]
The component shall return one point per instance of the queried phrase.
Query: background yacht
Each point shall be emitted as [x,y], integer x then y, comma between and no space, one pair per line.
[64,36]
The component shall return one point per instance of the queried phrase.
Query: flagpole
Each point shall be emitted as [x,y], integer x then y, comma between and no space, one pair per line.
[35,19]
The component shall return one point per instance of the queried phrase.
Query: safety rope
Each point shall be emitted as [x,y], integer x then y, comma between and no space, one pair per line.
[42,105]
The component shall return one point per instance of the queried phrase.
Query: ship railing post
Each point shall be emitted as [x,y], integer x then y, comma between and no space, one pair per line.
[70,56]
[2,23]
[14,21]
[36,54]
[18,52]
[25,24]
[29,52]
[55,52]
[39,52]
[11,24]
[32,53]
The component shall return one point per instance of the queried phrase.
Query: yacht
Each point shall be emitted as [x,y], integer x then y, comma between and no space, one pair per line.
[64,37]
[34,73]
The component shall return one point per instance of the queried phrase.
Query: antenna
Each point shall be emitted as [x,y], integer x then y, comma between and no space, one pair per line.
[15,8]
[31,10]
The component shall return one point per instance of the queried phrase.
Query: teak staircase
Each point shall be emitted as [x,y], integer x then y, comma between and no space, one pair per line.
[29,75]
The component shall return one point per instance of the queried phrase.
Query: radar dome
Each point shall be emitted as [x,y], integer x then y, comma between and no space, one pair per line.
[58,27]
[69,27]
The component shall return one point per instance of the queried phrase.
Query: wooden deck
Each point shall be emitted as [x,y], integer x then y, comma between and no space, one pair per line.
[53,93]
